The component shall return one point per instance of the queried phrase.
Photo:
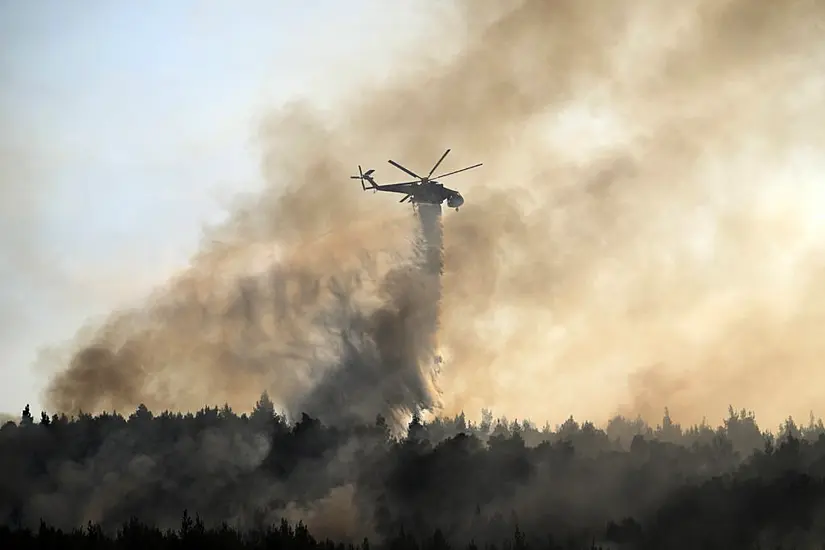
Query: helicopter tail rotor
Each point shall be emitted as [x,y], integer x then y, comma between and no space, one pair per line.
[364,176]
[360,176]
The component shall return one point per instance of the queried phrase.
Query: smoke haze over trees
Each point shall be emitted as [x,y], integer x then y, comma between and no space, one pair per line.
[666,486]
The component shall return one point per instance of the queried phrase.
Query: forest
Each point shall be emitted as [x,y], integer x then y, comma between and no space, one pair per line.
[215,478]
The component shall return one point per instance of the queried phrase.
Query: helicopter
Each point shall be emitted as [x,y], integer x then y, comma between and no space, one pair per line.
[425,189]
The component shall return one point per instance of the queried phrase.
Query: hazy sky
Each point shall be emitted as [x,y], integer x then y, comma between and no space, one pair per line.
[123,128]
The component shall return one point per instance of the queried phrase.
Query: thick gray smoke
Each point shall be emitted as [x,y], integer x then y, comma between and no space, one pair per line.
[389,356]
[385,363]
[289,301]
[645,232]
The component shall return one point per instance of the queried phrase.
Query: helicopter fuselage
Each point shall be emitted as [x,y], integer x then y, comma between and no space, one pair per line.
[432,192]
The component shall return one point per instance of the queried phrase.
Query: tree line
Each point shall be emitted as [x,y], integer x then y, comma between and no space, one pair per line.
[245,479]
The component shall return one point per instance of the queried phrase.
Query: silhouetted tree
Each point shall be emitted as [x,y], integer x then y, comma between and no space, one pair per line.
[446,483]
[26,419]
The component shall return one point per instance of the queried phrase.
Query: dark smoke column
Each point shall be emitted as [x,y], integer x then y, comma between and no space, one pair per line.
[388,362]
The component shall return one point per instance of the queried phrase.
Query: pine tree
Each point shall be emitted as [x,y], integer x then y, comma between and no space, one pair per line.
[26,419]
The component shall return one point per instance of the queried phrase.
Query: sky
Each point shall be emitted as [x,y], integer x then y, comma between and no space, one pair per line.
[124,128]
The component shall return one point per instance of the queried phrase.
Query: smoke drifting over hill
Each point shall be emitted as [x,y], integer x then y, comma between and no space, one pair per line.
[645,231]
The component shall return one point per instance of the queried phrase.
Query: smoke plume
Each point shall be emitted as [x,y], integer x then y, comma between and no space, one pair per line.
[645,230]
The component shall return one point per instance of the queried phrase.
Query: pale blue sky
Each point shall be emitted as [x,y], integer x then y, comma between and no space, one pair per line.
[121,125]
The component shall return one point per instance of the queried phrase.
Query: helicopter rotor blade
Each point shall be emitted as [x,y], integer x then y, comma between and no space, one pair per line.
[413,174]
[406,197]
[457,171]
[438,163]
